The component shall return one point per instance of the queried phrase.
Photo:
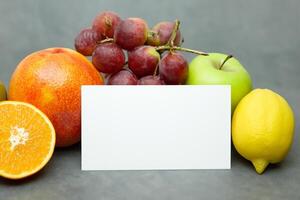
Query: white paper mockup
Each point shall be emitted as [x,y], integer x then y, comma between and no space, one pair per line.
[155,127]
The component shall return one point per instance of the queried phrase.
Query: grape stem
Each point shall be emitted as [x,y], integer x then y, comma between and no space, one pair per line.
[167,47]
[225,60]
[174,33]
[155,70]
[170,45]
[106,40]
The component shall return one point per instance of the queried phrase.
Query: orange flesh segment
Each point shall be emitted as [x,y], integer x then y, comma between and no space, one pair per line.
[27,139]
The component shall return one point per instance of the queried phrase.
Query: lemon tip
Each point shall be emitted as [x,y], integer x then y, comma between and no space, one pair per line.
[260,165]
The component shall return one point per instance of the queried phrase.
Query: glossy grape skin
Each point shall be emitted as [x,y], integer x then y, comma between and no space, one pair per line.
[151,80]
[86,41]
[123,77]
[108,58]
[106,22]
[161,33]
[143,60]
[131,33]
[173,68]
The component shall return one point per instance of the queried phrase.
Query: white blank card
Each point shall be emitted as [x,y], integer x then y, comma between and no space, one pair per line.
[155,127]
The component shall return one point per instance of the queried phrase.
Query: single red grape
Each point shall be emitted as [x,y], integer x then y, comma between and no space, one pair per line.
[143,60]
[123,77]
[108,58]
[173,68]
[131,33]
[161,33]
[106,22]
[86,41]
[151,80]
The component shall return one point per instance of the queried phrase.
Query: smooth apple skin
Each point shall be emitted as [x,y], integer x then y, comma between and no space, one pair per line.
[204,70]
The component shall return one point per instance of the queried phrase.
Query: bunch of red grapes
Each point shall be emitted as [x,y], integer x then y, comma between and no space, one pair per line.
[152,54]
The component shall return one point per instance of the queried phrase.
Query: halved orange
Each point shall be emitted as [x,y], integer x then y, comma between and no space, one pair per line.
[27,139]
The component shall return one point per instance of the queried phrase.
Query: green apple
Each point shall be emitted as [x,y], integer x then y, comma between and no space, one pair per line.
[2,92]
[220,69]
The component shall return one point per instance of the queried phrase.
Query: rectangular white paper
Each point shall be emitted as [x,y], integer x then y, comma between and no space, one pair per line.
[156,127]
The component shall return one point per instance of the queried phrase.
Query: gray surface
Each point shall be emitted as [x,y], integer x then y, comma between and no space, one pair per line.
[263,35]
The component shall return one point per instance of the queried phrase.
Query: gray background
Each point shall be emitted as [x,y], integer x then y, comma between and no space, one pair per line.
[263,35]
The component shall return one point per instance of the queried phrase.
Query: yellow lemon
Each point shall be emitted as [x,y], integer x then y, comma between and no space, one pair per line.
[263,128]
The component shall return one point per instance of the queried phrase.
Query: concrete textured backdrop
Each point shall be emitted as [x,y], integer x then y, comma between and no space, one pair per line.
[263,35]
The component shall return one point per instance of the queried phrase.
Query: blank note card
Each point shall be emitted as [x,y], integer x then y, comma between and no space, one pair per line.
[155,127]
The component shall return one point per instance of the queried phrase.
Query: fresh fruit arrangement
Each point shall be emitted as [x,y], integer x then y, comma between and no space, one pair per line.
[151,52]
[154,58]
[44,103]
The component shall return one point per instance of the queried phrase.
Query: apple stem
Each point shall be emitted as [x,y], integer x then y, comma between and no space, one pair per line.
[106,40]
[225,60]
[166,47]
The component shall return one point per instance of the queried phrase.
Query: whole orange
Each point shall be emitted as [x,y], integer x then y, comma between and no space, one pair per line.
[51,80]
